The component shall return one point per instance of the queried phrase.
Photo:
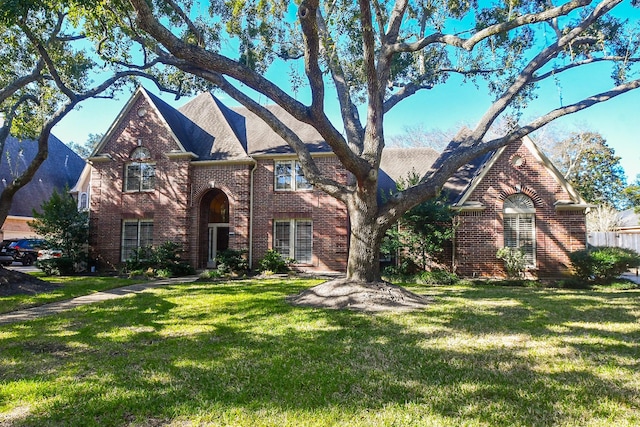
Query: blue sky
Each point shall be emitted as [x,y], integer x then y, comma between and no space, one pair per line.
[450,106]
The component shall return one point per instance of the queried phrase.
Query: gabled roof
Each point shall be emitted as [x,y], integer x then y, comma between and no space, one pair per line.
[397,163]
[210,130]
[61,168]
[186,134]
[225,128]
[469,176]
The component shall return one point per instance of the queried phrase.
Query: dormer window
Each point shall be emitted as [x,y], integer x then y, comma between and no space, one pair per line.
[140,173]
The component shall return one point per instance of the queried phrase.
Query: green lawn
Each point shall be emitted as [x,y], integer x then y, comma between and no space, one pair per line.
[235,354]
[71,287]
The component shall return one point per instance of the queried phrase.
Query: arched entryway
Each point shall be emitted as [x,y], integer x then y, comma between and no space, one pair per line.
[214,226]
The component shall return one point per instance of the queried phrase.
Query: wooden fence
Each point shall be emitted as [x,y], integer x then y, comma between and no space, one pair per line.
[615,239]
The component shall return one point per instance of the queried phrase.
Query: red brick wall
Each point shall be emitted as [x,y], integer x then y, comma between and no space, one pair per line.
[234,181]
[180,186]
[480,234]
[330,219]
[167,205]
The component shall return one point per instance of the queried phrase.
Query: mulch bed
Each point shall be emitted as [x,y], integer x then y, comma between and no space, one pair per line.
[15,282]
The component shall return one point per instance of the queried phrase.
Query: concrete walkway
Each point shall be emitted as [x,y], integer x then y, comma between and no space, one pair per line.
[632,275]
[60,306]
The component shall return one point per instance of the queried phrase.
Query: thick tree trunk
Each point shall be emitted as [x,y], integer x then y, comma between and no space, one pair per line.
[365,236]
[364,250]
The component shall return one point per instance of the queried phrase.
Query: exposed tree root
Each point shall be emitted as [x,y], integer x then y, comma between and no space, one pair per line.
[368,297]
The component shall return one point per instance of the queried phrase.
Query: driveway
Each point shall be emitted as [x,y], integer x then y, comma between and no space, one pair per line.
[23,268]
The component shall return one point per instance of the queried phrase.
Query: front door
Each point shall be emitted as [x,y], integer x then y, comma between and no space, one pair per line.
[218,242]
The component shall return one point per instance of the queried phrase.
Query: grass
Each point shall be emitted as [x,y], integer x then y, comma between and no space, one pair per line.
[235,354]
[71,287]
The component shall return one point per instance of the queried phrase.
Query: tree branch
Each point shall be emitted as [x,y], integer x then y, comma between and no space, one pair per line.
[21,82]
[527,74]
[348,110]
[469,44]
[588,61]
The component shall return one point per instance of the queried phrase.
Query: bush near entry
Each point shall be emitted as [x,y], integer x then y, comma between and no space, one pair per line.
[163,261]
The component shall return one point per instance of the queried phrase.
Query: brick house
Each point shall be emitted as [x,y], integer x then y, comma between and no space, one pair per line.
[211,177]
[512,197]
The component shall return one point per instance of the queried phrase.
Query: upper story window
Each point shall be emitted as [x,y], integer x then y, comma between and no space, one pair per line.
[83,201]
[288,176]
[140,173]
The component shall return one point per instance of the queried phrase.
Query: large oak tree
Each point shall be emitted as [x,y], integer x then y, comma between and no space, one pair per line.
[374,54]
[48,68]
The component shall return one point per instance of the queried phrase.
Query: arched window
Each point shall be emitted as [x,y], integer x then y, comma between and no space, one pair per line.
[219,208]
[141,153]
[84,201]
[520,226]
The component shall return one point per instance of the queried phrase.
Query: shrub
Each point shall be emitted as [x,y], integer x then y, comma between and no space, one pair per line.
[514,261]
[437,277]
[211,274]
[274,262]
[232,261]
[603,264]
[163,261]
[57,266]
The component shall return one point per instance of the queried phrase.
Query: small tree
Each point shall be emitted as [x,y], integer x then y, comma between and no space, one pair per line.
[63,225]
[422,233]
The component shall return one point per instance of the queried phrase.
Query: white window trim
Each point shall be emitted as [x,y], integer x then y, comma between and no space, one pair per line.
[139,189]
[295,164]
[83,206]
[523,208]
[293,223]
[139,222]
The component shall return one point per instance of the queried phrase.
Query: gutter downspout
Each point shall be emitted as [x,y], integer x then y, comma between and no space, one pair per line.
[251,178]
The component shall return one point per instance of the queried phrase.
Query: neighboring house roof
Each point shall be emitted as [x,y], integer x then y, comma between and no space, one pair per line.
[628,220]
[61,168]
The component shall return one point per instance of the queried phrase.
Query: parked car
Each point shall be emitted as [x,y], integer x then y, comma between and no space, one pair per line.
[49,253]
[26,250]
[6,254]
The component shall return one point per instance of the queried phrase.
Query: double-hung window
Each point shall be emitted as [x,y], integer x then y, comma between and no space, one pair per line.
[136,234]
[294,239]
[520,226]
[288,176]
[140,174]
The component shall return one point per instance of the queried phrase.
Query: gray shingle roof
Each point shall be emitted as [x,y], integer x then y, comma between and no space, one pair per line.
[61,168]
[261,139]
[214,131]
[397,163]
[226,128]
